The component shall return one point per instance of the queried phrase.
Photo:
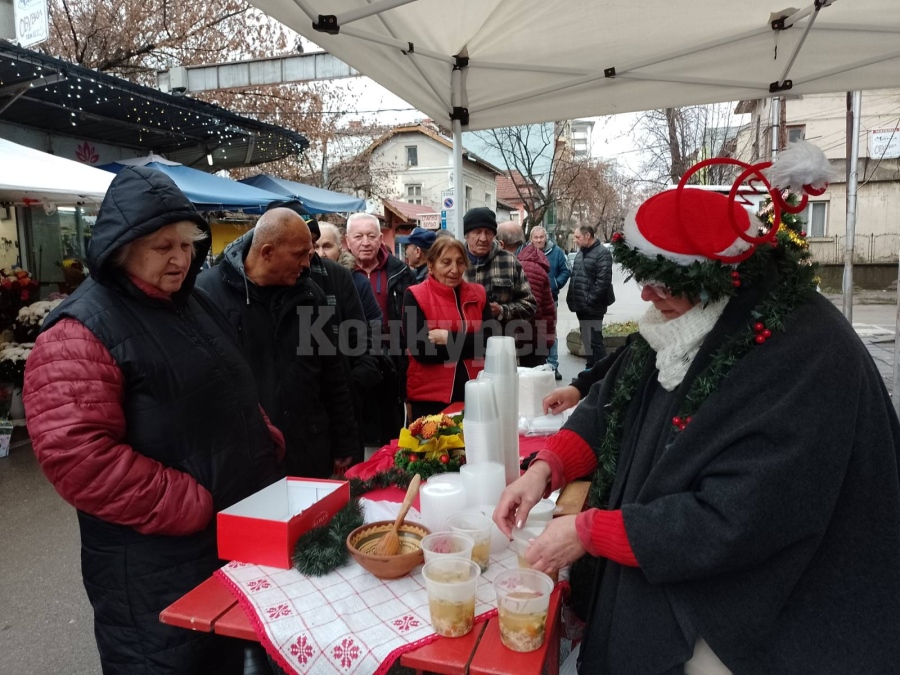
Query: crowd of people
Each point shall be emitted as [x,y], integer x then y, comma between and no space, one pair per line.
[744,512]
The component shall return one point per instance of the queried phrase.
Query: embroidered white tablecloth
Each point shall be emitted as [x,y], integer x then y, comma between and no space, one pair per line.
[347,622]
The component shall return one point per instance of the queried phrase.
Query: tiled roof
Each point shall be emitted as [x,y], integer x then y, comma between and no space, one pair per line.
[406,210]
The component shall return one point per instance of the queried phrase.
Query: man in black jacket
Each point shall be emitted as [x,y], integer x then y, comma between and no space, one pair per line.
[262,285]
[590,291]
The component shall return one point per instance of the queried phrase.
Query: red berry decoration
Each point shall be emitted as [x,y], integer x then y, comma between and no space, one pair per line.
[682,426]
[617,236]
[759,327]
[676,421]
[411,457]
[735,275]
[445,459]
[802,233]
[760,339]
[688,419]
[767,333]
[736,283]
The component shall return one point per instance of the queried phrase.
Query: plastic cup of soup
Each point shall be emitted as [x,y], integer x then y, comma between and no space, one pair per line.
[447,545]
[523,600]
[542,512]
[477,526]
[522,540]
[450,584]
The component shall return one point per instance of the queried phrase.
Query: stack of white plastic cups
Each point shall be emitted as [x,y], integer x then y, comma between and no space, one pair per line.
[484,483]
[481,427]
[500,369]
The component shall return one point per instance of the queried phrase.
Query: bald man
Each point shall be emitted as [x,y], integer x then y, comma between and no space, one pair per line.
[263,286]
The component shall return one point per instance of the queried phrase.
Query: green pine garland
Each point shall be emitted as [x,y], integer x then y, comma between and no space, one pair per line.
[324,548]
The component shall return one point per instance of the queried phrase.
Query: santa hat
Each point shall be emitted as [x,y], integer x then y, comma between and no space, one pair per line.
[689,225]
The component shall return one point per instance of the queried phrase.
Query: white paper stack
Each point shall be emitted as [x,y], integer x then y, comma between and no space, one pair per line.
[500,369]
[534,385]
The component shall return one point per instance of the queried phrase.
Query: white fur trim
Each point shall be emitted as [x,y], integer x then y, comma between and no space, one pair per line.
[801,164]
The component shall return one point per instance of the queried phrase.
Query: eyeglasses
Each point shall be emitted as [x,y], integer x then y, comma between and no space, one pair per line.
[659,289]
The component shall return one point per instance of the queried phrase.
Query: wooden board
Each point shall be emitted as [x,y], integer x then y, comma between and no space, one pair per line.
[572,498]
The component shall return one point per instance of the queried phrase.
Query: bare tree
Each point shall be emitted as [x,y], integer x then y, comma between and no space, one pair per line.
[530,151]
[673,139]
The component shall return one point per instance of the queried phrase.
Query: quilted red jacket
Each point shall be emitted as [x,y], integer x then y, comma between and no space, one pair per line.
[73,397]
[537,271]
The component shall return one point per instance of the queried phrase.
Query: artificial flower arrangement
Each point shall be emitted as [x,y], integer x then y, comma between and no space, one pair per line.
[12,362]
[431,444]
[31,318]
[17,290]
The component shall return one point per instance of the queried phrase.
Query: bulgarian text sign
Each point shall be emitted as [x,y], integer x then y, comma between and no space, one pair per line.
[430,221]
[32,25]
[884,143]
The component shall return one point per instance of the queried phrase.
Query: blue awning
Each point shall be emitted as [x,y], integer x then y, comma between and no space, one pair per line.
[207,191]
[315,200]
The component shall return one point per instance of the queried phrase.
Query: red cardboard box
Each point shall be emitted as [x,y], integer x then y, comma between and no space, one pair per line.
[264,527]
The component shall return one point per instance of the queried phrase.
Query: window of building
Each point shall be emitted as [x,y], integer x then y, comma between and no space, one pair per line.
[412,155]
[796,133]
[815,215]
[468,197]
[414,193]
[514,216]
[488,200]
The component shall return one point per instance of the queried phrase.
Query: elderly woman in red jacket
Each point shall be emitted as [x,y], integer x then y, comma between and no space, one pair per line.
[444,330]
[144,416]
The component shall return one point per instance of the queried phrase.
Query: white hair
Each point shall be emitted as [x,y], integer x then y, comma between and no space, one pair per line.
[360,218]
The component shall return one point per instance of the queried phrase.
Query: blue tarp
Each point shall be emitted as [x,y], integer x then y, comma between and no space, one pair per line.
[315,200]
[209,192]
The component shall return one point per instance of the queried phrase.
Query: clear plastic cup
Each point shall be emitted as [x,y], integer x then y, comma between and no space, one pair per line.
[447,545]
[522,539]
[450,584]
[541,512]
[523,601]
[475,524]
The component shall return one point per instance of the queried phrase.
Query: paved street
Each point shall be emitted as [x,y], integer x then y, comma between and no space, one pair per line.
[45,628]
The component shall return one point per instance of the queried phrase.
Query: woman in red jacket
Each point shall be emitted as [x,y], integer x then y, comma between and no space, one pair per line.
[144,416]
[444,330]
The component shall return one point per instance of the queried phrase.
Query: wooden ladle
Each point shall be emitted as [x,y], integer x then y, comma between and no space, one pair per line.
[389,544]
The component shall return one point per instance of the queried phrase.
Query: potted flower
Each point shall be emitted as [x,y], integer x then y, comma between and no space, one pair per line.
[31,318]
[17,289]
[12,372]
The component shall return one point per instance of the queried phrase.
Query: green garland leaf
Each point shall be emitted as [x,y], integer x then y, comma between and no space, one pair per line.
[324,549]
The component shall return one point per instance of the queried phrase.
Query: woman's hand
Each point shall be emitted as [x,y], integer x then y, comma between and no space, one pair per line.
[438,336]
[518,499]
[557,546]
[561,399]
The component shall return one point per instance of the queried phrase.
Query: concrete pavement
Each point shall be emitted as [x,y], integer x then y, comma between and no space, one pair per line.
[46,624]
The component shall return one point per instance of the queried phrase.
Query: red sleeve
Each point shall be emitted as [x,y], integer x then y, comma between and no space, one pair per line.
[73,402]
[569,457]
[602,533]
[277,436]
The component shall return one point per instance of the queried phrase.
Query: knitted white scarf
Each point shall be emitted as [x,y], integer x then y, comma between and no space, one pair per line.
[677,341]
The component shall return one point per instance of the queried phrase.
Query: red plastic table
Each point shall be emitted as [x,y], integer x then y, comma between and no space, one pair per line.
[211,607]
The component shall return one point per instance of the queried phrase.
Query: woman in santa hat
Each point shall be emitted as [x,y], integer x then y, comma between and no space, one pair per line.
[744,512]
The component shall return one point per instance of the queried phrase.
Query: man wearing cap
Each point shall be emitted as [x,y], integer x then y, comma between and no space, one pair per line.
[417,244]
[744,511]
[499,271]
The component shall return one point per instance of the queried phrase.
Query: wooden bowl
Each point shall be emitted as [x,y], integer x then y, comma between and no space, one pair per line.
[362,542]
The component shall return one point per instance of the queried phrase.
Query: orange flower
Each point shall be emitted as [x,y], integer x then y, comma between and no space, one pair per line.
[429,429]
[416,427]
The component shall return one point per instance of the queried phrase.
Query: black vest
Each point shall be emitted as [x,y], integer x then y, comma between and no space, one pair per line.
[190,403]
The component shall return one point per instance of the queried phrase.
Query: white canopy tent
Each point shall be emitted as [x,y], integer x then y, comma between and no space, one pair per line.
[29,176]
[480,64]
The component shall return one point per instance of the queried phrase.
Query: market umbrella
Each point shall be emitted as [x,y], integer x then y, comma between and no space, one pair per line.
[314,199]
[207,191]
[29,176]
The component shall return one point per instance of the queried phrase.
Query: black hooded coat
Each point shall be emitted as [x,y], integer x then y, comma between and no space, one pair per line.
[189,404]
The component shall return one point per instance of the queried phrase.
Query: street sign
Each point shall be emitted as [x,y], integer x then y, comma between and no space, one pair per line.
[430,221]
[32,25]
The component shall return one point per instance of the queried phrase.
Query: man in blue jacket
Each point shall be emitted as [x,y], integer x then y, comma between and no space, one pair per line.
[559,275]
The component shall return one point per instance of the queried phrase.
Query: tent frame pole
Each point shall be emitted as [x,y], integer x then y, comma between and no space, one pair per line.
[459,99]
[855,101]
